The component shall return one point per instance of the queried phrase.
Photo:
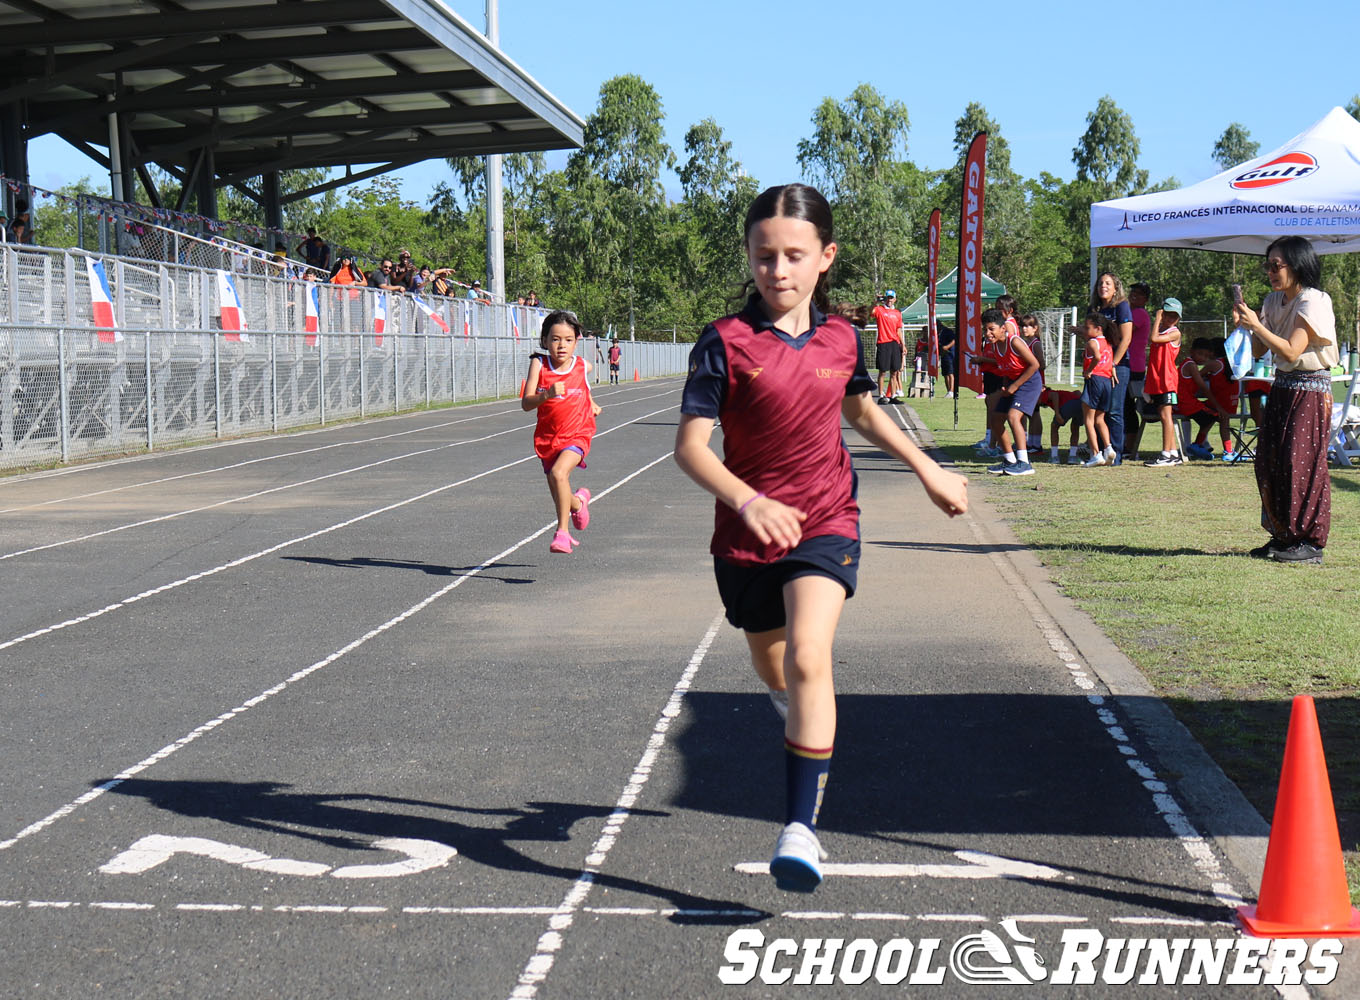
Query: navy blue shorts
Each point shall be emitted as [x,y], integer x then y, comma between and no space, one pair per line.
[753,596]
[1098,393]
[1071,410]
[991,383]
[1024,400]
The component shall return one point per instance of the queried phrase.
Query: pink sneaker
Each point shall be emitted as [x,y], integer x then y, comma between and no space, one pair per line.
[562,542]
[581,518]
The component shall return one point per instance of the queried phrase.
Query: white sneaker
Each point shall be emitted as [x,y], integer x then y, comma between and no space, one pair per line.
[797,862]
[948,395]
[780,700]
[1094,460]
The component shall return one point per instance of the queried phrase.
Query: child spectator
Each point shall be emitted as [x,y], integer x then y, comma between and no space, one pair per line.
[1161,380]
[1029,331]
[1097,395]
[557,386]
[1020,388]
[1196,398]
[1066,407]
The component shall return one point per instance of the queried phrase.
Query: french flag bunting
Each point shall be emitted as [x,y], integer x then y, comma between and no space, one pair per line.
[101,302]
[313,321]
[379,318]
[514,321]
[467,320]
[233,316]
[435,318]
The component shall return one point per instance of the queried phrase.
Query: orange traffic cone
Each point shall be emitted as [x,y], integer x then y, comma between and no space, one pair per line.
[1303,890]
[636,377]
[522,383]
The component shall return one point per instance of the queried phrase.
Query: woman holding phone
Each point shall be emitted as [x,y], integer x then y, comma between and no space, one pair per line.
[1297,323]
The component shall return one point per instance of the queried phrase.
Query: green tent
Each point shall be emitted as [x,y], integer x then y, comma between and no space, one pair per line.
[946,291]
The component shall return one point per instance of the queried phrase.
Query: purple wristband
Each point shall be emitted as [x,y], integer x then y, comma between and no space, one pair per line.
[742,509]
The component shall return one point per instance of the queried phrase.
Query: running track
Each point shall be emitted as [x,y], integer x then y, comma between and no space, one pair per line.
[319,715]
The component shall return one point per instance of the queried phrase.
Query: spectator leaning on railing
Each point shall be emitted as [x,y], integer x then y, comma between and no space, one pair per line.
[382,278]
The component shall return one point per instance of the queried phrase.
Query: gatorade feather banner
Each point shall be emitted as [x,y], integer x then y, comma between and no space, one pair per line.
[435,318]
[229,305]
[101,302]
[932,272]
[968,310]
[379,318]
[312,323]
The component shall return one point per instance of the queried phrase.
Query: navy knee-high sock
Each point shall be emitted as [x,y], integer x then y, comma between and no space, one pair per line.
[805,774]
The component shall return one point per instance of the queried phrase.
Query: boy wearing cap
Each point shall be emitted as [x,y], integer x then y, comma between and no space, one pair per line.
[890,349]
[1163,377]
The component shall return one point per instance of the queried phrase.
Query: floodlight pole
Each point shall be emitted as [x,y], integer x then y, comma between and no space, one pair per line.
[495,208]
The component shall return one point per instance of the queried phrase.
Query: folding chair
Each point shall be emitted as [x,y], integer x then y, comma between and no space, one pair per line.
[1244,438]
[1346,424]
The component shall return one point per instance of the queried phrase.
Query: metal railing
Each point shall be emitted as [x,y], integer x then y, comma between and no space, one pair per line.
[66,395]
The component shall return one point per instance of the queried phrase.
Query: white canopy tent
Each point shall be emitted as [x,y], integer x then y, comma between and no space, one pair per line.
[1308,187]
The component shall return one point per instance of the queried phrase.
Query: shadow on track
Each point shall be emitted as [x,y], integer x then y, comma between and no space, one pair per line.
[366,562]
[351,821]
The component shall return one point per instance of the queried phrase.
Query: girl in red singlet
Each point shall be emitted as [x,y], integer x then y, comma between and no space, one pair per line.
[557,387]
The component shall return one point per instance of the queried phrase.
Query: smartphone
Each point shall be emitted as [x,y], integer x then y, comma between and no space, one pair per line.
[1237,295]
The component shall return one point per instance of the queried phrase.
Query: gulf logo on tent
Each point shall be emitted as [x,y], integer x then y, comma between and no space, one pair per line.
[1289,167]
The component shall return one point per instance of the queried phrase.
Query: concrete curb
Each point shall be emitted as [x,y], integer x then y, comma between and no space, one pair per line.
[1218,808]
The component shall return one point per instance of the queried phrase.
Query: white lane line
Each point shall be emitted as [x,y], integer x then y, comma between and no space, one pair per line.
[550,942]
[252,461]
[241,561]
[286,454]
[1164,804]
[256,495]
[663,912]
[302,674]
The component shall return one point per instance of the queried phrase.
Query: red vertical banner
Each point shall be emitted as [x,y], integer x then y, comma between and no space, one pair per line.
[932,275]
[968,301]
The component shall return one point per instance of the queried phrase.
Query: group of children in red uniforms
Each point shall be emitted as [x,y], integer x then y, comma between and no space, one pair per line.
[1197,384]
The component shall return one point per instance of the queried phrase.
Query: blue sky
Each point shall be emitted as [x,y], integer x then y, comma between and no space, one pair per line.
[1181,70]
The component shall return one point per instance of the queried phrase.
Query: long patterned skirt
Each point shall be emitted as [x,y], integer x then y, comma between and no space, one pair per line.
[1291,459]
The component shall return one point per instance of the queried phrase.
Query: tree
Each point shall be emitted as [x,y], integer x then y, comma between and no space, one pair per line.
[1107,154]
[1235,146]
[706,238]
[855,156]
[1353,107]
[624,146]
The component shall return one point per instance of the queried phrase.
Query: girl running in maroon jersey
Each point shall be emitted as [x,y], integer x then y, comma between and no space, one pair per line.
[781,374]
[557,387]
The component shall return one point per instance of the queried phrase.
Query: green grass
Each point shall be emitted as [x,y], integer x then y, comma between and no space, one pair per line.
[1157,557]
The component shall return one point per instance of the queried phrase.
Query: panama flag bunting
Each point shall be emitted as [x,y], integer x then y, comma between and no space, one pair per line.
[312,323]
[434,316]
[233,316]
[379,318]
[101,302]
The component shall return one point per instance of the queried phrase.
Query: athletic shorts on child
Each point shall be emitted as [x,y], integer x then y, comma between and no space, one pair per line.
[991,382]
[1162,399]
[753,596]
[889,356]
[613,366]
[1025,399]
[1098,393]
[1071,410]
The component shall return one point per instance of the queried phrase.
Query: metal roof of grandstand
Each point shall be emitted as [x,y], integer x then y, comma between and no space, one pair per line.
[273,84]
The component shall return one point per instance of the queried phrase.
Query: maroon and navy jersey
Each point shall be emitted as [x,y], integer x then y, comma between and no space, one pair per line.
[779,398]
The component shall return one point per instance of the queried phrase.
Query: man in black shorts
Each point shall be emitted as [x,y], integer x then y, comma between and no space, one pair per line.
[948,341]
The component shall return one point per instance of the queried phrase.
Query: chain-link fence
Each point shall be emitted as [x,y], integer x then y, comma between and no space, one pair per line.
[66,394]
